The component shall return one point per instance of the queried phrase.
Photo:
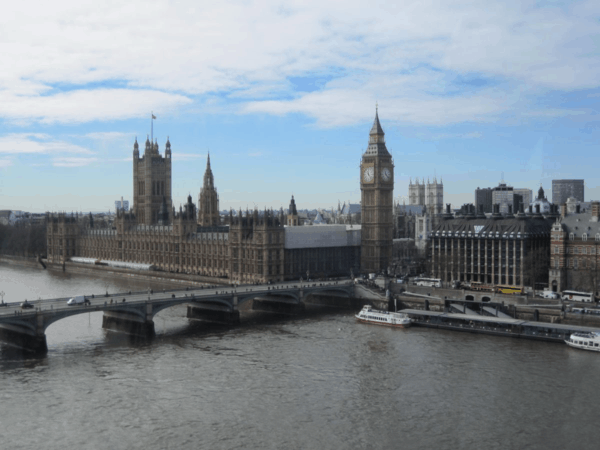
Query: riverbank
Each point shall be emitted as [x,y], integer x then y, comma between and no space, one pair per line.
[176,279]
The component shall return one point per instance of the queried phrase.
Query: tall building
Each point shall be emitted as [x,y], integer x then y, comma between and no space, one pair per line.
[121,205]
[510,198]
[377,202]
[503,195]
[151,182]
[430,195]
[483,197]
[416,192]
[522,196]
[563,189]
[208,200]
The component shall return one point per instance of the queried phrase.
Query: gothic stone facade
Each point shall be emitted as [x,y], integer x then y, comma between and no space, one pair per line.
[249,249]
[151,182]
[377,204]
[575,251]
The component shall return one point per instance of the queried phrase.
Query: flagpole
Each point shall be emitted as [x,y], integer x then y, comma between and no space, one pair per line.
[151,128]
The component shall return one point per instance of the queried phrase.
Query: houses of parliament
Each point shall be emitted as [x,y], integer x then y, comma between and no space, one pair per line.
[243,246]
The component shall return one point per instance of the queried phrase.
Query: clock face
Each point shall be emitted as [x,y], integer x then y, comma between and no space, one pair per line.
[368,174]
[386,174]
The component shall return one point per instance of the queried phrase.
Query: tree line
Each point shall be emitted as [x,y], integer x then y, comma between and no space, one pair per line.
[23,240]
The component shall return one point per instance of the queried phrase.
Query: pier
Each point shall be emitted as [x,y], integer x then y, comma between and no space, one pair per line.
[494,325]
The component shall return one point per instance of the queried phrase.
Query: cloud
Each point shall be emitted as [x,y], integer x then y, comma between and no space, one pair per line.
[255,154]
[87,105]
[73,162]
[429,62]
[109,135]
[5,163]
[22,143]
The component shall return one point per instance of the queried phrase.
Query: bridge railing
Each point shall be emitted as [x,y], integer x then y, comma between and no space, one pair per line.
[228,290]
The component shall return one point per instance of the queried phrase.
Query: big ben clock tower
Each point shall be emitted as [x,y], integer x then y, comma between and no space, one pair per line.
[377,188]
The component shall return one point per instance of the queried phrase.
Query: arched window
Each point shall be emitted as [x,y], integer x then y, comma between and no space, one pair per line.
[584,237]
[571,236]
[598,236]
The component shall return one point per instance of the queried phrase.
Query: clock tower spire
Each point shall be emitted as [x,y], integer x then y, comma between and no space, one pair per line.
[377,189]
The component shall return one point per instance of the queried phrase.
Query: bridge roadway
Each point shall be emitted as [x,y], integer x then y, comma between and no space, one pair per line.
[133,312]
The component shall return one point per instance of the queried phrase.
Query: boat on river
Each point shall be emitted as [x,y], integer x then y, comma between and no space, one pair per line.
[390,319]
[585,341]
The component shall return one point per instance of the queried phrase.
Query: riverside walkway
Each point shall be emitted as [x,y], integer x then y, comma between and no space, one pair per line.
[133,312]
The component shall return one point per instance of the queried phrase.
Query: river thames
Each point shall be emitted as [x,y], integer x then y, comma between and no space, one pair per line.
[306,382]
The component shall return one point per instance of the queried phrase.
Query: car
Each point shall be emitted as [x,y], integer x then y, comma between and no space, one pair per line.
[26,305]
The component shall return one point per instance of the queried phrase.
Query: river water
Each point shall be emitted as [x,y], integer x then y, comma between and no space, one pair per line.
[312,382]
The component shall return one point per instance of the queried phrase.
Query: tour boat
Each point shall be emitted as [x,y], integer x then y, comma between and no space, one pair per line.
[391,319]
[586,341]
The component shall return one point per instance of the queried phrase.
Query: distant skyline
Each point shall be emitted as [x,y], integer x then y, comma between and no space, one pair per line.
[283,96]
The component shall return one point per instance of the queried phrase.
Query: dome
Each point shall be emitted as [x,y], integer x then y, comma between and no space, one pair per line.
[544,205]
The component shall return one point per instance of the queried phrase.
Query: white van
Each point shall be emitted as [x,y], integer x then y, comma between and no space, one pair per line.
[79,300]
[550,294]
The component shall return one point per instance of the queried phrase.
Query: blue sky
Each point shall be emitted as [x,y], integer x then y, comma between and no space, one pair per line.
[283,96]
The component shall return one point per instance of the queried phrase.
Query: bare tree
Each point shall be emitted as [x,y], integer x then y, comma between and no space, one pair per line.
[23,239]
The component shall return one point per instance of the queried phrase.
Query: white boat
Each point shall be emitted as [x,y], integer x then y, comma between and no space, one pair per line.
[585,341]
[391,319]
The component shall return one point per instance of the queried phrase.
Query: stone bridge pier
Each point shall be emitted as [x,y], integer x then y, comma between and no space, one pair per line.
[211,312]
[27,333]
[138,322]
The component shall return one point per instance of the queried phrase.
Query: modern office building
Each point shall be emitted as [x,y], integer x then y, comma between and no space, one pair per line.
[503,195]
[563,189]
[483,197]
[521,196]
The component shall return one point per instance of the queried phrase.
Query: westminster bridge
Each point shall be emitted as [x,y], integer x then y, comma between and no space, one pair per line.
[133,313]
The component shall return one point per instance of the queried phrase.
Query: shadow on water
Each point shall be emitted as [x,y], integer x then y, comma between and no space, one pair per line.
[15,357]
[11,356]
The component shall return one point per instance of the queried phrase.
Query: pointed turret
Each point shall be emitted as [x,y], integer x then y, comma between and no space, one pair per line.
[376,139]
[168,148]
[541,193]
[209,180]
[208,200]
[376,128]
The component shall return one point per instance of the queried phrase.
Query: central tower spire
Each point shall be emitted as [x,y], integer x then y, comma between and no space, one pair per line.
[208,200]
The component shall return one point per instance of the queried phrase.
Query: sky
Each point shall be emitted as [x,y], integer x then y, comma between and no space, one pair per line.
[283,95]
